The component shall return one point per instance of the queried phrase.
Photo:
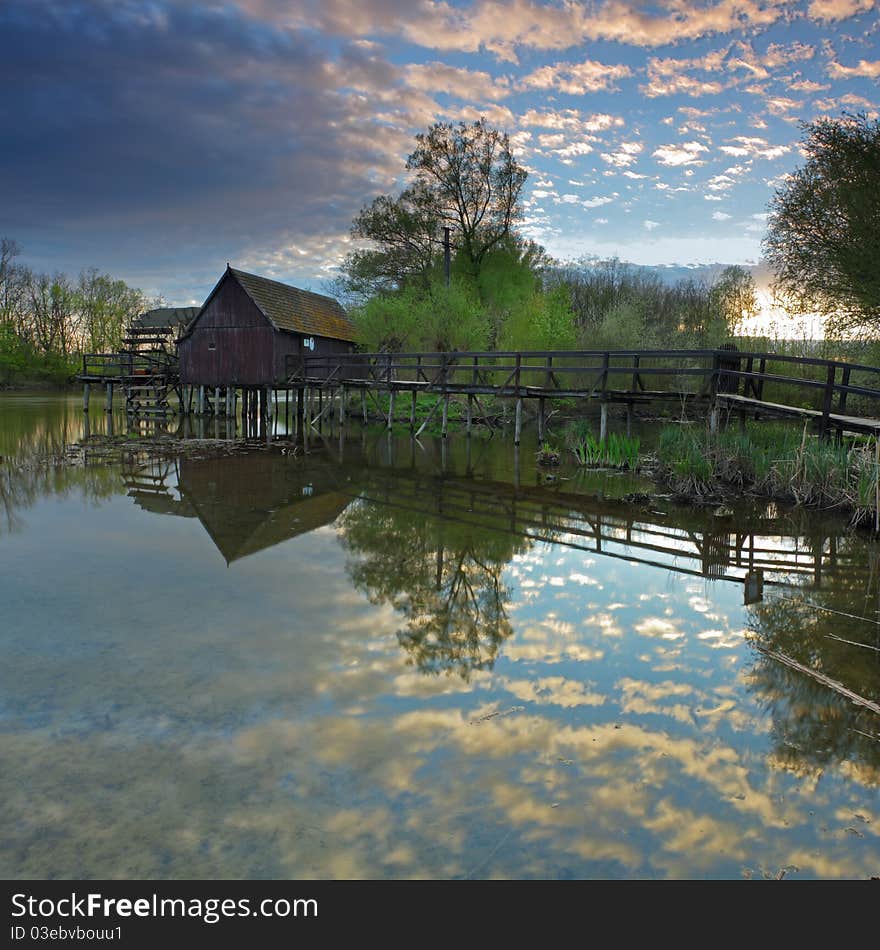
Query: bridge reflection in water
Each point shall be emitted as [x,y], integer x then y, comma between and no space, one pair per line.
[251,502]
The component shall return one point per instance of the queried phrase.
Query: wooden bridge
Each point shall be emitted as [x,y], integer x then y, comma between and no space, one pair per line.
[837,396]
[832,395]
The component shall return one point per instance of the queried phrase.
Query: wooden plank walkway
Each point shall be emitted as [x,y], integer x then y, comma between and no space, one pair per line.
[835,420]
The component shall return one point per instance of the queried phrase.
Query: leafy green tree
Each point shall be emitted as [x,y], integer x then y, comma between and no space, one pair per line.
[465,177]
[823,239]
[388,322]
[541,321]
[734,298]
[452,318]
[475,180]
[404,231]
[105,308]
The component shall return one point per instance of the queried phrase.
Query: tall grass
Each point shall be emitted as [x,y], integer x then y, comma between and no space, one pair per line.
[614,451]
[774,460]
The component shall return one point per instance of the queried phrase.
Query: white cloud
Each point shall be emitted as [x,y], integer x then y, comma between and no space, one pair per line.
[626,154]
[830,10]
[675,155]
[720,216]
[650,225]
[870,70]
[576,79]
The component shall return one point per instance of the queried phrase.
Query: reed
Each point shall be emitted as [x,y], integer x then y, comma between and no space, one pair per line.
[777,461]
[614,451]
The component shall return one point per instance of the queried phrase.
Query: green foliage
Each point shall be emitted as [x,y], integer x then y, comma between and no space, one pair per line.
[46,321]
[614,451]
[387,321]
[541,321]
[451,318]
[438,318]
[822,230]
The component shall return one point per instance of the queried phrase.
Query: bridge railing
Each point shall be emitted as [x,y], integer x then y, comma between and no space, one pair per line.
[108,365]
[810,384]
[555,372]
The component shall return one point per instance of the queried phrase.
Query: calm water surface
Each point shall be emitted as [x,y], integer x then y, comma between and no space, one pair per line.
[388,659]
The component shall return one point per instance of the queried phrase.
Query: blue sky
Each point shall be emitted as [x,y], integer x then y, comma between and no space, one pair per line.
[159,139]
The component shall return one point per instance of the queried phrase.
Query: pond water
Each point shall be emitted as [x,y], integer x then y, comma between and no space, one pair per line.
[393,659]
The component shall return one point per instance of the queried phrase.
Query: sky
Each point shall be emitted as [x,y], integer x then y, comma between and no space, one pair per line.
[158,140]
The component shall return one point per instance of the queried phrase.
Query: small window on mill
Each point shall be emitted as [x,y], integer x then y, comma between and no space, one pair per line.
[212,345]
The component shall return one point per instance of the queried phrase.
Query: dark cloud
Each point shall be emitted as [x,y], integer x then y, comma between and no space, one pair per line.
[177,129]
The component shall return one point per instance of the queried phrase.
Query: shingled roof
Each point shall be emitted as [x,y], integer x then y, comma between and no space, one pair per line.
[289,308]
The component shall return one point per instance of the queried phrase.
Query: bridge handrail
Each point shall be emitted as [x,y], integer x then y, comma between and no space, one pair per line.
[545,371]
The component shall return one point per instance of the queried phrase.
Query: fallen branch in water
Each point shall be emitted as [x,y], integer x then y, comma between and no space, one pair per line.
[821,678]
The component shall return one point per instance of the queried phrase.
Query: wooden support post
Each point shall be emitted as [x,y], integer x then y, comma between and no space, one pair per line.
[827,398]
[109,407]
[841,404]
[200,401]
[216,400]
[390,408]
[300,408]
[445,423]
[713,418]
[517,429]
[470,412]
[412,412]
[603,421]
[86,397]
[342,396]
[364,404]
[541,419]
[629,418]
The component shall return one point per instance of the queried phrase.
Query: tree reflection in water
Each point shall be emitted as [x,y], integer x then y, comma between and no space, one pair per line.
[444,577]
[834,632]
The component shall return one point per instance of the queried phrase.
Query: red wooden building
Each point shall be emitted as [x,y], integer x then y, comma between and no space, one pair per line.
[250,325]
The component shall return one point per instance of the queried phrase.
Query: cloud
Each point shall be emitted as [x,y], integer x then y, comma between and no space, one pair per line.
[576,79]
[753,146]
[571,120]
[668,77]
[678,155]
[866,68]
[502,27]
[626,154]
[650,225]
[434,78]
[831,10]
[192,127]
[720,216]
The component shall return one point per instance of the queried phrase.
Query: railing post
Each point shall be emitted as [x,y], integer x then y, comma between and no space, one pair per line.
[517,372]
[827,398]
[841,405]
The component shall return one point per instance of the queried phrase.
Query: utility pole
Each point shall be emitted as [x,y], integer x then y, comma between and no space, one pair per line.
[446,256]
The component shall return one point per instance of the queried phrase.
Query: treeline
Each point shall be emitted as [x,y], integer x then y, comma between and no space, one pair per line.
[519,299]
[501,290]
[48,320]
